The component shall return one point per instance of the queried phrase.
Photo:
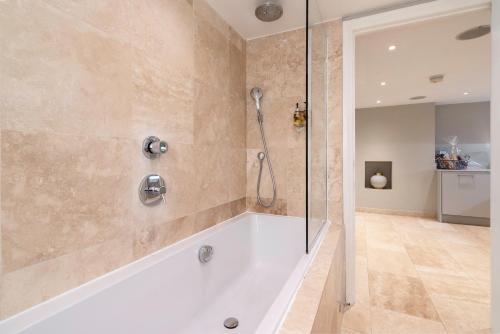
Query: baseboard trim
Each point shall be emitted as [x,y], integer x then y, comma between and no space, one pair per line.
[397,212]
[466,220]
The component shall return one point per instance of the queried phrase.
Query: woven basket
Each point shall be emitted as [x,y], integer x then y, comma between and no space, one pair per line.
[451,164]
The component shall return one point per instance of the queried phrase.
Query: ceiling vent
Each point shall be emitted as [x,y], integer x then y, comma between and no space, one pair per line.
[436,78]
[418,97]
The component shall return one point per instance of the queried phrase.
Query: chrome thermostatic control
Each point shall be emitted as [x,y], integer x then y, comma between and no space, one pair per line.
[153,147]
[152,190]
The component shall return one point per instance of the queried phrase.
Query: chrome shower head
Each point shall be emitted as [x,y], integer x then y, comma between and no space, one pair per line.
[269,12]
[256,94]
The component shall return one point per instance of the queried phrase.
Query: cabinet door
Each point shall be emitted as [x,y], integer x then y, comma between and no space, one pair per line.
[466,194]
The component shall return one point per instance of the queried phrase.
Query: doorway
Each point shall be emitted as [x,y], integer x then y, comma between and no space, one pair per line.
[354,180]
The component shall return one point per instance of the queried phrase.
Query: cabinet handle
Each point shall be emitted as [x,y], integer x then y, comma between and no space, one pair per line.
[466,180]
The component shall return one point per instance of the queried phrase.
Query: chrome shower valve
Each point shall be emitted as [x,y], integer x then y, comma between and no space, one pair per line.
[152,190]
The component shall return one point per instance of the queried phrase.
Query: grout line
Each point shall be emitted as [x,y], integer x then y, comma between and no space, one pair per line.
[422,281]
[393,226]
[462,271]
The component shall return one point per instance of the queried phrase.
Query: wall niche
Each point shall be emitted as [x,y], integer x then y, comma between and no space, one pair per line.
[374,167]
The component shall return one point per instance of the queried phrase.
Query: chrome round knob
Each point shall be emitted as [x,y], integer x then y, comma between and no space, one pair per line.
[158,147]
[153,147]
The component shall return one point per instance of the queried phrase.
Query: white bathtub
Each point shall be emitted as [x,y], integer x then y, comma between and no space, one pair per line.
[258,264]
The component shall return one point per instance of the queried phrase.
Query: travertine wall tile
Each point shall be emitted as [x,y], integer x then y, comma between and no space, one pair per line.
[162,100]
[296,176]
[110,17]
[318,126]
[279,208]
[118,252]
[277,65]
[36,283]
[296,207]
[212,58]
[58,74]
[54,194]
[83,83]
[203,11]
[335,211]
[235,169]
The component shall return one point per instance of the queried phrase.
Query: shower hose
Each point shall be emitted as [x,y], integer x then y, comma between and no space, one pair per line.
[261,156]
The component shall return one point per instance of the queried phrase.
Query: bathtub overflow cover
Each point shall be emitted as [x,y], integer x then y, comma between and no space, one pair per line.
[231,323]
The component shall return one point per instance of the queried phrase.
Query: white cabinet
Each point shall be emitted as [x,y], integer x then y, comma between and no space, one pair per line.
[464,194]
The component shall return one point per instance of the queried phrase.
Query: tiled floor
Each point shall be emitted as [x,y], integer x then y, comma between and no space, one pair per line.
[419,276]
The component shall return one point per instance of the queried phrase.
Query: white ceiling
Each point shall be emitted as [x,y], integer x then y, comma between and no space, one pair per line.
[240,13]
[424,49]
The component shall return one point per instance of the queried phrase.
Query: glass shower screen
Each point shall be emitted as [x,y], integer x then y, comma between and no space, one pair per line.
[317,52]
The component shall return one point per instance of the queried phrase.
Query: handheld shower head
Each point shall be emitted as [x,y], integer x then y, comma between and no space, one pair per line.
[256,94]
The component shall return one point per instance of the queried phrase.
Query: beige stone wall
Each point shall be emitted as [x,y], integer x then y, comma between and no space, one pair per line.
[335,211]
[404,135]
[318,122]
[277,65]
[82,84]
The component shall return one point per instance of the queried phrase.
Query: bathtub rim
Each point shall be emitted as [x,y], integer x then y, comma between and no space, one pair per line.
[50,307]
[277,312]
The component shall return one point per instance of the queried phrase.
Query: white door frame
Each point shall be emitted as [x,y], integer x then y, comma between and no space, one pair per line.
[351,29]
[495,169]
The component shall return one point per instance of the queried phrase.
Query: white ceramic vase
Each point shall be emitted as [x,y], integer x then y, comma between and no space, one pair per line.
[378,181]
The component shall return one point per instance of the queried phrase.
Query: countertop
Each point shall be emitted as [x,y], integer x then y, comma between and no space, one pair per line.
[470,170]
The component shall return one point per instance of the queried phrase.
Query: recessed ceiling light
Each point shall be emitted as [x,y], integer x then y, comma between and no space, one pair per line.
[383,83]
[392,47]
[379,102]
[466,93]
